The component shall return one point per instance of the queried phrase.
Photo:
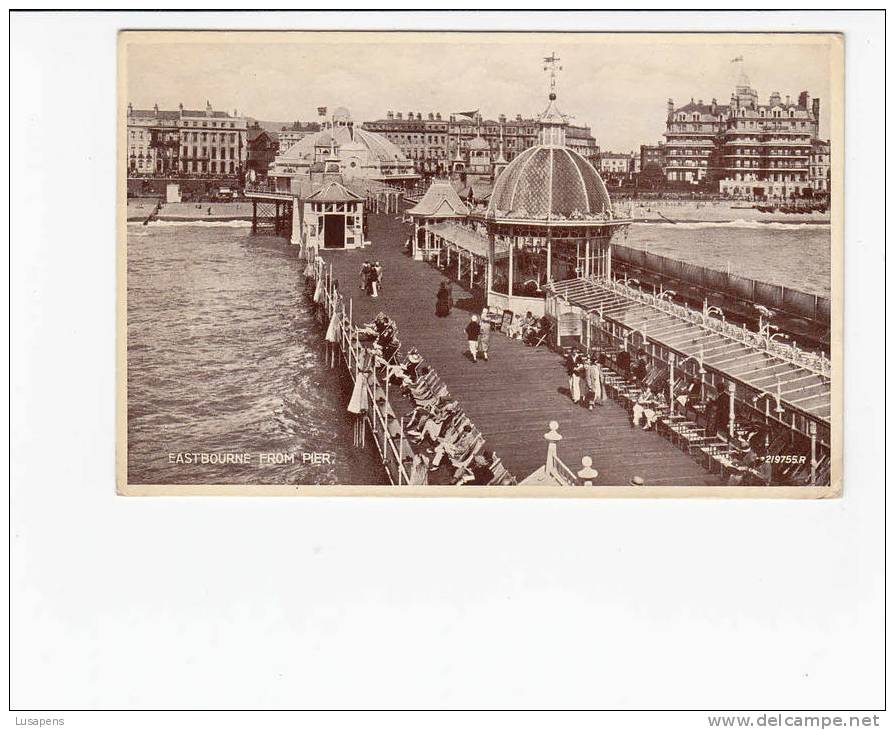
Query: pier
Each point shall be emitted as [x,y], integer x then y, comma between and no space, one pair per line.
[514,396]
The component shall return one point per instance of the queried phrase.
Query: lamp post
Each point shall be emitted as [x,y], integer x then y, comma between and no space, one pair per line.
[812,430]
[671,383]
[731,418]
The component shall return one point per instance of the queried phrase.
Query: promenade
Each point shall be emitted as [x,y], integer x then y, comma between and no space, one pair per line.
[512,397]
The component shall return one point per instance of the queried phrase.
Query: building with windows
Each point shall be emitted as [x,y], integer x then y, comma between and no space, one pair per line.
[261,149]
[440,146]
[185,141]
[819,166]
[293,134]
[616,163]
[691,137]
[745,148]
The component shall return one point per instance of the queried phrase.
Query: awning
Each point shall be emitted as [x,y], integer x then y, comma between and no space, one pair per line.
[736,354]
[464,238]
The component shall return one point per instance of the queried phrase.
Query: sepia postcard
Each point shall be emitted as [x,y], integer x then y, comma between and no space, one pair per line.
[480,264]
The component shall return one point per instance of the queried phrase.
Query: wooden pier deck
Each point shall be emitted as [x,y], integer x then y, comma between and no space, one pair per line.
[512,397]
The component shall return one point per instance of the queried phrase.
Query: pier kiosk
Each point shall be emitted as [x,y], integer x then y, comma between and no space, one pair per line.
[551,213]
[439,204]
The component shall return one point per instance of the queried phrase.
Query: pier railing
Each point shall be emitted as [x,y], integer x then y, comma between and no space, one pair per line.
[391,441]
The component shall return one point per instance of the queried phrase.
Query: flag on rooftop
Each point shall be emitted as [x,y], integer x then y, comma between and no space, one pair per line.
[738,58]
[468,115]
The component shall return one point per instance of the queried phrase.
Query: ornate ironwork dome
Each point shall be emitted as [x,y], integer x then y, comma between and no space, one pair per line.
[549,182]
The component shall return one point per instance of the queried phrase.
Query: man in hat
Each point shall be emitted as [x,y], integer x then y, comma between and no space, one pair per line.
[473,330]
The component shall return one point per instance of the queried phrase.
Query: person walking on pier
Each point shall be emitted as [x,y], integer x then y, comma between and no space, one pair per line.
[365,275]
[484,335]
[443,301]
[373,279]
[473,329]
[377,268]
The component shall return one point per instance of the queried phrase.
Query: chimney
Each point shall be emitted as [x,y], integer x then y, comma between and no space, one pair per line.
[700,102]
[130,109]
[389,114]
[410,115]
[207,106]
[438,116]
[431,117]
[803,100]
[815,109]
[155,108]
[714,106]
[502,118]
[518,117]
[399,116]
[774,100]
[180,106]
[670,105]
[419,117]
[787,100]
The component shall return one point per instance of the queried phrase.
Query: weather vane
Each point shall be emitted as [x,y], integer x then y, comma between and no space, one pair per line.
[551,64]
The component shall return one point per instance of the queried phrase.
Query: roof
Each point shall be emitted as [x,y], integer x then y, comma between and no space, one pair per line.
[461,237]
[478,143]
[333,192]
[153,114]
[748,363]
[253,133]
[703,108]
[440,201]
[549,182]
[378,145]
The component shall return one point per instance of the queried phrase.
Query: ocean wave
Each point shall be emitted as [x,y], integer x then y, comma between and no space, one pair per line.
[196,223]
[738,223]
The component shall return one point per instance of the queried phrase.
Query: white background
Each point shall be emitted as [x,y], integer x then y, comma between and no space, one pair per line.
[375,603]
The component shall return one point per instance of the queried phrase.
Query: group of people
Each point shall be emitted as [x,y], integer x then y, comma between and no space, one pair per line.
[439,422]
[478,336]
[585,373]
[383,333]
[371,278]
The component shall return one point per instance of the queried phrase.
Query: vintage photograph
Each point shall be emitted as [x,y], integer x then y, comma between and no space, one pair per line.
[513,264]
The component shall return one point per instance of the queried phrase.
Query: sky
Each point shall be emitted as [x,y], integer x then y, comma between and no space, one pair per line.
[617,84]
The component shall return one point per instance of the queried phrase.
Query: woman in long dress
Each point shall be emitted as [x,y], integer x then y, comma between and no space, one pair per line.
[442,301]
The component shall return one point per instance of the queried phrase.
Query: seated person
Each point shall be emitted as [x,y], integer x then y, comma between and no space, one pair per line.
[639,370]
[455,447]
[480,471]
[645,407]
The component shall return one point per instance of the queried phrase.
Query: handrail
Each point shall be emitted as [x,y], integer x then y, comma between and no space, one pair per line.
[376,415]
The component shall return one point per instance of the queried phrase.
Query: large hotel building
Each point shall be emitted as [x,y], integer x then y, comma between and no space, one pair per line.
[435,143]
[185,141]
[746,148]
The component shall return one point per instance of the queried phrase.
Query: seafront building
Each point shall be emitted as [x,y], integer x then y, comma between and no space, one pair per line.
[440,145]
[819,166]
[185,141]
[746,148]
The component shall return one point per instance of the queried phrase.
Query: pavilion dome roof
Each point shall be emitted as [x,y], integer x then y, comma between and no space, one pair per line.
[379,146]
[549,182]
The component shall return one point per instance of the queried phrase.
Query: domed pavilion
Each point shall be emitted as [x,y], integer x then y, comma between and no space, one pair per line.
[343,148]
[549,218]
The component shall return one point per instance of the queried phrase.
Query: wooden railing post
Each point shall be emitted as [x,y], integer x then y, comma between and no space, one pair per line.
[551,437]
[587,473]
